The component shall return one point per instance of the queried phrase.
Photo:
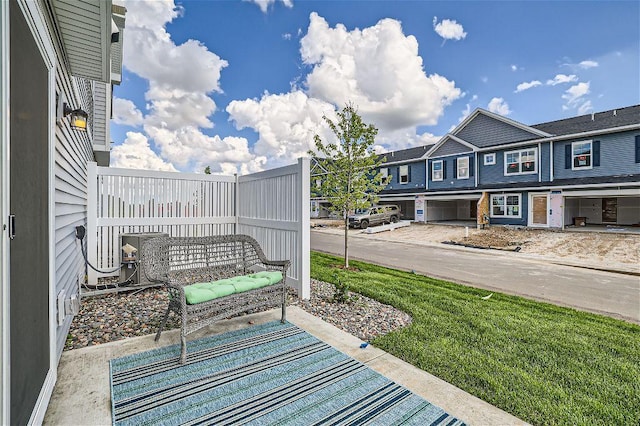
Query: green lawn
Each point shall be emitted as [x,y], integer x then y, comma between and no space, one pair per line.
[542,363]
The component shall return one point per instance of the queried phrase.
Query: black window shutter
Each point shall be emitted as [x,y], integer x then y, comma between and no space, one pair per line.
[444,169]
[596,153]
[638,149]
[455,168]
[398,171]
[567,156]
[471,164]
[409,172]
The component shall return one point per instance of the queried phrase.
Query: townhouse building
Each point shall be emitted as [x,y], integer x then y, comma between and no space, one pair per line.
[494,170]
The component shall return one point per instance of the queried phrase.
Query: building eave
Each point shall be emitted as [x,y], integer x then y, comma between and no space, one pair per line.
[85,31]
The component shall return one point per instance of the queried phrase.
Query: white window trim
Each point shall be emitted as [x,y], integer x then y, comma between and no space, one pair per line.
[505,216]
[400,174]
[492,156]
[573,156]
[441,171]
[458,167]
[520,151]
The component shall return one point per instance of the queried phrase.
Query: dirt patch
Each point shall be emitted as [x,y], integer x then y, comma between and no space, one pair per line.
[602,248]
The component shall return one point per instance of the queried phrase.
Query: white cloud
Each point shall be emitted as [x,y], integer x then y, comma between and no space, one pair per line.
[527,85]
[514,68]
[448,29]
[126,113]
[585,108]
[575,94]
[286,123]
[264,4]
[588,64]
[561,79]
[190,148]
[150,52]
[499,106]
[286,36]
[181,78]
[135,153]
[347,68]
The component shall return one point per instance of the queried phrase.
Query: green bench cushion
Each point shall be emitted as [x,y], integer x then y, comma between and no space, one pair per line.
[203,292]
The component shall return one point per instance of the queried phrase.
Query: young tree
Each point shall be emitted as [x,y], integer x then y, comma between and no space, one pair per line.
[207,170]
[352,180]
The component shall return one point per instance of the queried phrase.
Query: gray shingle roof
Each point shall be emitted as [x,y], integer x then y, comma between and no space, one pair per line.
[407,154]
[597,121]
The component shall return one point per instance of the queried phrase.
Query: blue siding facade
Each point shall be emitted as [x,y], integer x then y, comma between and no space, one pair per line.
[617,157]
[545,162]
[484,131]
[450,147]
[495,174]
[450,181]
[416,180]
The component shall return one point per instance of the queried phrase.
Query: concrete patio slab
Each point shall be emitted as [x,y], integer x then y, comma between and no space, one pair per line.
[82,392]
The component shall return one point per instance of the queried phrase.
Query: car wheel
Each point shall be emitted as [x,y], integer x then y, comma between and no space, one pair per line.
[394,219]
[364,224]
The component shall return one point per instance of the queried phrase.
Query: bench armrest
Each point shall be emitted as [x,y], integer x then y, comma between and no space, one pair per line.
[281,263]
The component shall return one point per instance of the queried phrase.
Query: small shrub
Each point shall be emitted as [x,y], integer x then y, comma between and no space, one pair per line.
[341,294]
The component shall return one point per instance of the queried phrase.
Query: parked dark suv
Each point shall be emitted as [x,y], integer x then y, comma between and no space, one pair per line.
[375,215]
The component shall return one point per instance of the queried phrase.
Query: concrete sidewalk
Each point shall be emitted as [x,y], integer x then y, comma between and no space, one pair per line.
[82,392]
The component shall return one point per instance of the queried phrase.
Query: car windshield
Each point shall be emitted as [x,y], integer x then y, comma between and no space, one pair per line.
[362,211]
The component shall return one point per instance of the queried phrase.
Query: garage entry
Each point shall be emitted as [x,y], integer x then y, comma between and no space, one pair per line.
[603,210]
[452,208]
[406,204]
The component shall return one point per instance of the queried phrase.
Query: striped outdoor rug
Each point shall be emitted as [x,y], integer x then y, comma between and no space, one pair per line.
[270,374]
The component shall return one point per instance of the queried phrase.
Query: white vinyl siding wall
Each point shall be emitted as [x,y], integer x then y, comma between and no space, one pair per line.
[73,151]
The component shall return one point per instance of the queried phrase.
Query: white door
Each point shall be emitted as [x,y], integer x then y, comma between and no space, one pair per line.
[556,210]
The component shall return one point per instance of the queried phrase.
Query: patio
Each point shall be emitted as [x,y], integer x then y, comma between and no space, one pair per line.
[82,392]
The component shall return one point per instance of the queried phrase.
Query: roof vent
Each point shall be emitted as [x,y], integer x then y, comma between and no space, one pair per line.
[593,116]
[615,112]
[392,153]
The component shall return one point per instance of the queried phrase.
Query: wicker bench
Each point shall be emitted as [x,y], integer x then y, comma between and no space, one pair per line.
[210,278]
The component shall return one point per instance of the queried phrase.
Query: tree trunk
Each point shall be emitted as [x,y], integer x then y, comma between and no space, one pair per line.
[346,240]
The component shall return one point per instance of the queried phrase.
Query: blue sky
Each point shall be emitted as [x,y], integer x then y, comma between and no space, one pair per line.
[242,86]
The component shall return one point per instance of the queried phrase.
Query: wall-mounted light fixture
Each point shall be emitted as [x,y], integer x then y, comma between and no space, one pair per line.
[79,117]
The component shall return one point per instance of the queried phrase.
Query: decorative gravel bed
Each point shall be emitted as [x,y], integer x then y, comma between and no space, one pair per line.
[116,316]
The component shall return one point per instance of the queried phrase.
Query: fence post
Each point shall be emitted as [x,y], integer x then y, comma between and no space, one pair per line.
[92,216]
[304,243]
[236,203]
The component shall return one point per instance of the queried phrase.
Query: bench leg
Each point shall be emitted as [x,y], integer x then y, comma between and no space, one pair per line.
[162,324]
[183,353]
[284,313]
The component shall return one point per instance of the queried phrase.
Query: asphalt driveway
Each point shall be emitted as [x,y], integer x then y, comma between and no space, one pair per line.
[613,294]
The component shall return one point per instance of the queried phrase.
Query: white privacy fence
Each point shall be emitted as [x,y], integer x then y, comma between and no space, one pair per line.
[271,206]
